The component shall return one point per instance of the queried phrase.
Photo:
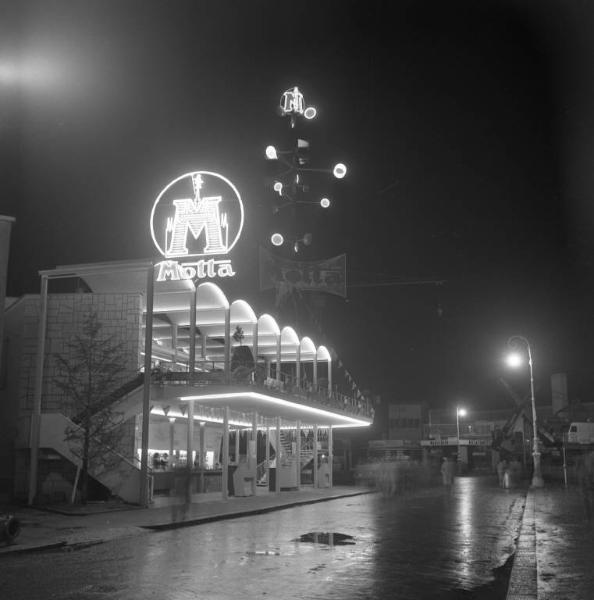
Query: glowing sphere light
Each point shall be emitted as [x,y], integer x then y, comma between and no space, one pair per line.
[339,171]
[277,239]
[271,153]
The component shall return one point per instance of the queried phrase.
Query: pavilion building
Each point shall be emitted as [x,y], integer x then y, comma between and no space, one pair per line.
[212,397]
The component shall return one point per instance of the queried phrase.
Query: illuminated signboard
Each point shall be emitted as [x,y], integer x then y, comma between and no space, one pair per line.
[195,222]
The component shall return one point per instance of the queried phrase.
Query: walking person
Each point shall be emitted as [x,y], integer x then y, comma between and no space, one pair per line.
[501,467]
[447,473]
[585,474]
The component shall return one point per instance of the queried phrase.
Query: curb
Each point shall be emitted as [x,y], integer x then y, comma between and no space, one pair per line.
[74,545]
[245,513]
[523,581]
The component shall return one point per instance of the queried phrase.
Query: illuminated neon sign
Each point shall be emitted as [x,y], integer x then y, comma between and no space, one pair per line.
[197,216]
[293,103]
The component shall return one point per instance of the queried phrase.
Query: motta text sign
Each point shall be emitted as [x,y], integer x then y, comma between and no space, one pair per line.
[196,217]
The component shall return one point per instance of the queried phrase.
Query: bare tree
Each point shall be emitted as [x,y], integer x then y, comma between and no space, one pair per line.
[89,373]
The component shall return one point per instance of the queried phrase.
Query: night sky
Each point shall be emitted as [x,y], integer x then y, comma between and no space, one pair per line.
[467,128]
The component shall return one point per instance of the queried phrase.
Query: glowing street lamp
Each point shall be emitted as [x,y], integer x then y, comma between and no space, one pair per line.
[516,359]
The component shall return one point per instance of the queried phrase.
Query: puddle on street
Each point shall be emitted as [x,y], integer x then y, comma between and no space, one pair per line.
[327,538]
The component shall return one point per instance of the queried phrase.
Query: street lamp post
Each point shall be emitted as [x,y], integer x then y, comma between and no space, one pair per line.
[460,412]
[515,360]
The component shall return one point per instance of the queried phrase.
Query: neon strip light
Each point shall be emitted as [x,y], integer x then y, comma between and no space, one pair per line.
[277,401]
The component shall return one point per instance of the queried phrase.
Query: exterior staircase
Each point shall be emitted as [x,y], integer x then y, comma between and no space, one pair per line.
[123,480]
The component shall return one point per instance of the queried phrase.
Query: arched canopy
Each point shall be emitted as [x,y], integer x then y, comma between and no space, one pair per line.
[323,354]
[268,334]
[308,349]
[209,296]
[289,344]
[242,313]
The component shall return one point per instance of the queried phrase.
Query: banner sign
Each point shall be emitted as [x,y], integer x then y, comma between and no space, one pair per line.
[286,275]
[198,216]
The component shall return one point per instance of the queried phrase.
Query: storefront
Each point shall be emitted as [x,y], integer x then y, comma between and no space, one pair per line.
[210,390]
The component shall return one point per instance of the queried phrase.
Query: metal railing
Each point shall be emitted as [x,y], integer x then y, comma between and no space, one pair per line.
[285,384]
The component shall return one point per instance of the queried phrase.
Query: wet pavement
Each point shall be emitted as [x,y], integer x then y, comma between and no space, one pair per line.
[470,543]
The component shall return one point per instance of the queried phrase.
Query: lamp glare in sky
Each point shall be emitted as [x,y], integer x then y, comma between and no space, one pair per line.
[514,360]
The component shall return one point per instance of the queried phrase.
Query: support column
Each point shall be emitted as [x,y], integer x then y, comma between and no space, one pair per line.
[255,349]
[237,434]
[278,358]
[330,453]
[268,456]
[174,342]
[253,452]
[5,227]
[315,456]
[190,450]
[146,391]
[227,344]
[278,453]
[329,377]
[225,473]
[298,452]
[298,368]
[315,371]
[202,454]
[203,339]
[171,438]
[192,359]
[36,414]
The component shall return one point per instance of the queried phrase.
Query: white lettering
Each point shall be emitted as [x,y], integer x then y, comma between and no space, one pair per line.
[197,216]
[225,269]
[170,270]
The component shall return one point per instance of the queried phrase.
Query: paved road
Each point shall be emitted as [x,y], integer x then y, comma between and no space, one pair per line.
[431,545]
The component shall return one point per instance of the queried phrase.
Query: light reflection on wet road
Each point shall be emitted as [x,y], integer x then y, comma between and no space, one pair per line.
[432,545]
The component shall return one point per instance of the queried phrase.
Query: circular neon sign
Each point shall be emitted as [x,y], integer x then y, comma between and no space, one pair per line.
[197,214]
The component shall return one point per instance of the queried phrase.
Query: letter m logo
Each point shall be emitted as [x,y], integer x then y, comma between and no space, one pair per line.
[197,216]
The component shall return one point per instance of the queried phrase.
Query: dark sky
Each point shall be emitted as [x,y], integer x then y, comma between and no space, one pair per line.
[467,128]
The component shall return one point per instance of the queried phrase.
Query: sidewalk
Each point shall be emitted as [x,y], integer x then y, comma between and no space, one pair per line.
[554,557]
[44,530]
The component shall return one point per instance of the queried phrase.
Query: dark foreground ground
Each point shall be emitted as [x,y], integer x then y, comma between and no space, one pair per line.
[479,541]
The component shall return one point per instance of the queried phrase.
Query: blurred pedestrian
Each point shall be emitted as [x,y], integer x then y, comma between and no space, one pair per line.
[585,474]
[447,472]
[501,468]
